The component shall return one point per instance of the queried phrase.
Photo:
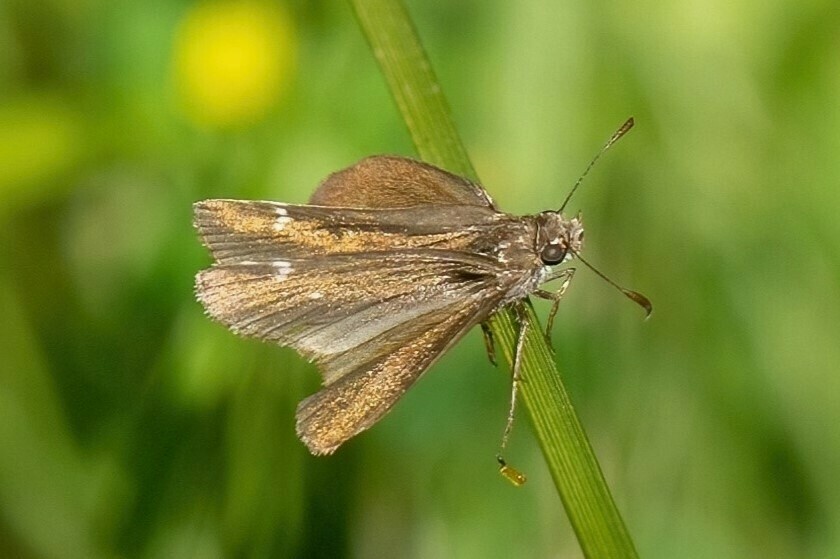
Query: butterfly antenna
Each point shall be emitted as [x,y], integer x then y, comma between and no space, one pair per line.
[634,296]
[623,129]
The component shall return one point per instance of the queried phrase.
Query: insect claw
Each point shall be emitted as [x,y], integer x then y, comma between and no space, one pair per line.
[489,344]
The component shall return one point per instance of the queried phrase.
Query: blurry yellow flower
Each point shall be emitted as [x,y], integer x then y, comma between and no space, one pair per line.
[232,61]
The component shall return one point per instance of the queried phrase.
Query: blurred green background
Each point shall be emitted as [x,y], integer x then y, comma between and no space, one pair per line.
[132,426]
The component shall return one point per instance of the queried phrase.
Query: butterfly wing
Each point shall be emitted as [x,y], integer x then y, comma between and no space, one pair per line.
[373,320]
[389,181]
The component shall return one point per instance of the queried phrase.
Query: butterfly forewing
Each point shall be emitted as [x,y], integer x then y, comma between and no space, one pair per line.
[323,306]
[242,231]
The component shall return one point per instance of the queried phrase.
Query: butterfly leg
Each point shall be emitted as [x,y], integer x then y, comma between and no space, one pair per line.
[489,344]
[566,275]
[510,473]
[522,321]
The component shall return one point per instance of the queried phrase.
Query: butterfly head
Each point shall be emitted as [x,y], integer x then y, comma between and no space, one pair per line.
[559,238]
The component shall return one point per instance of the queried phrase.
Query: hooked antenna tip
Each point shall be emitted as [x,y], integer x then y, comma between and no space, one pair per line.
[640,300]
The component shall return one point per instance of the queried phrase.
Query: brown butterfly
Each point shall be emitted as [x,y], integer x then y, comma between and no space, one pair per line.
[391,264]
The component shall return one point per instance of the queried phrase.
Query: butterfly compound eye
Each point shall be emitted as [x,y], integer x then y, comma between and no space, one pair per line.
[552,254]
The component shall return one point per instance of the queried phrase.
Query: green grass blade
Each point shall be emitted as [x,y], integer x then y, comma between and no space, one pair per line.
[413,84]
[577,475]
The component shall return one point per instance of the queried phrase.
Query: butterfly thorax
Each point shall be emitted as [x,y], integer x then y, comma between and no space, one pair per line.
[527,248]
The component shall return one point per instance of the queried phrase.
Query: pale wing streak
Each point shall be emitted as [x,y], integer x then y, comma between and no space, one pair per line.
[344,334]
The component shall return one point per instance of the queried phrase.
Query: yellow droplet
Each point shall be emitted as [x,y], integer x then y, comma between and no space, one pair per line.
[510,473]
[232,61]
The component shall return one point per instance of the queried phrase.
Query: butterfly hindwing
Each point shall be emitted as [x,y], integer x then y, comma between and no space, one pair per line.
[390,181]
[359,398]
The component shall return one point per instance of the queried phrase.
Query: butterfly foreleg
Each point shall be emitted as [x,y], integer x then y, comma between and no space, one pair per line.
[566,276]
